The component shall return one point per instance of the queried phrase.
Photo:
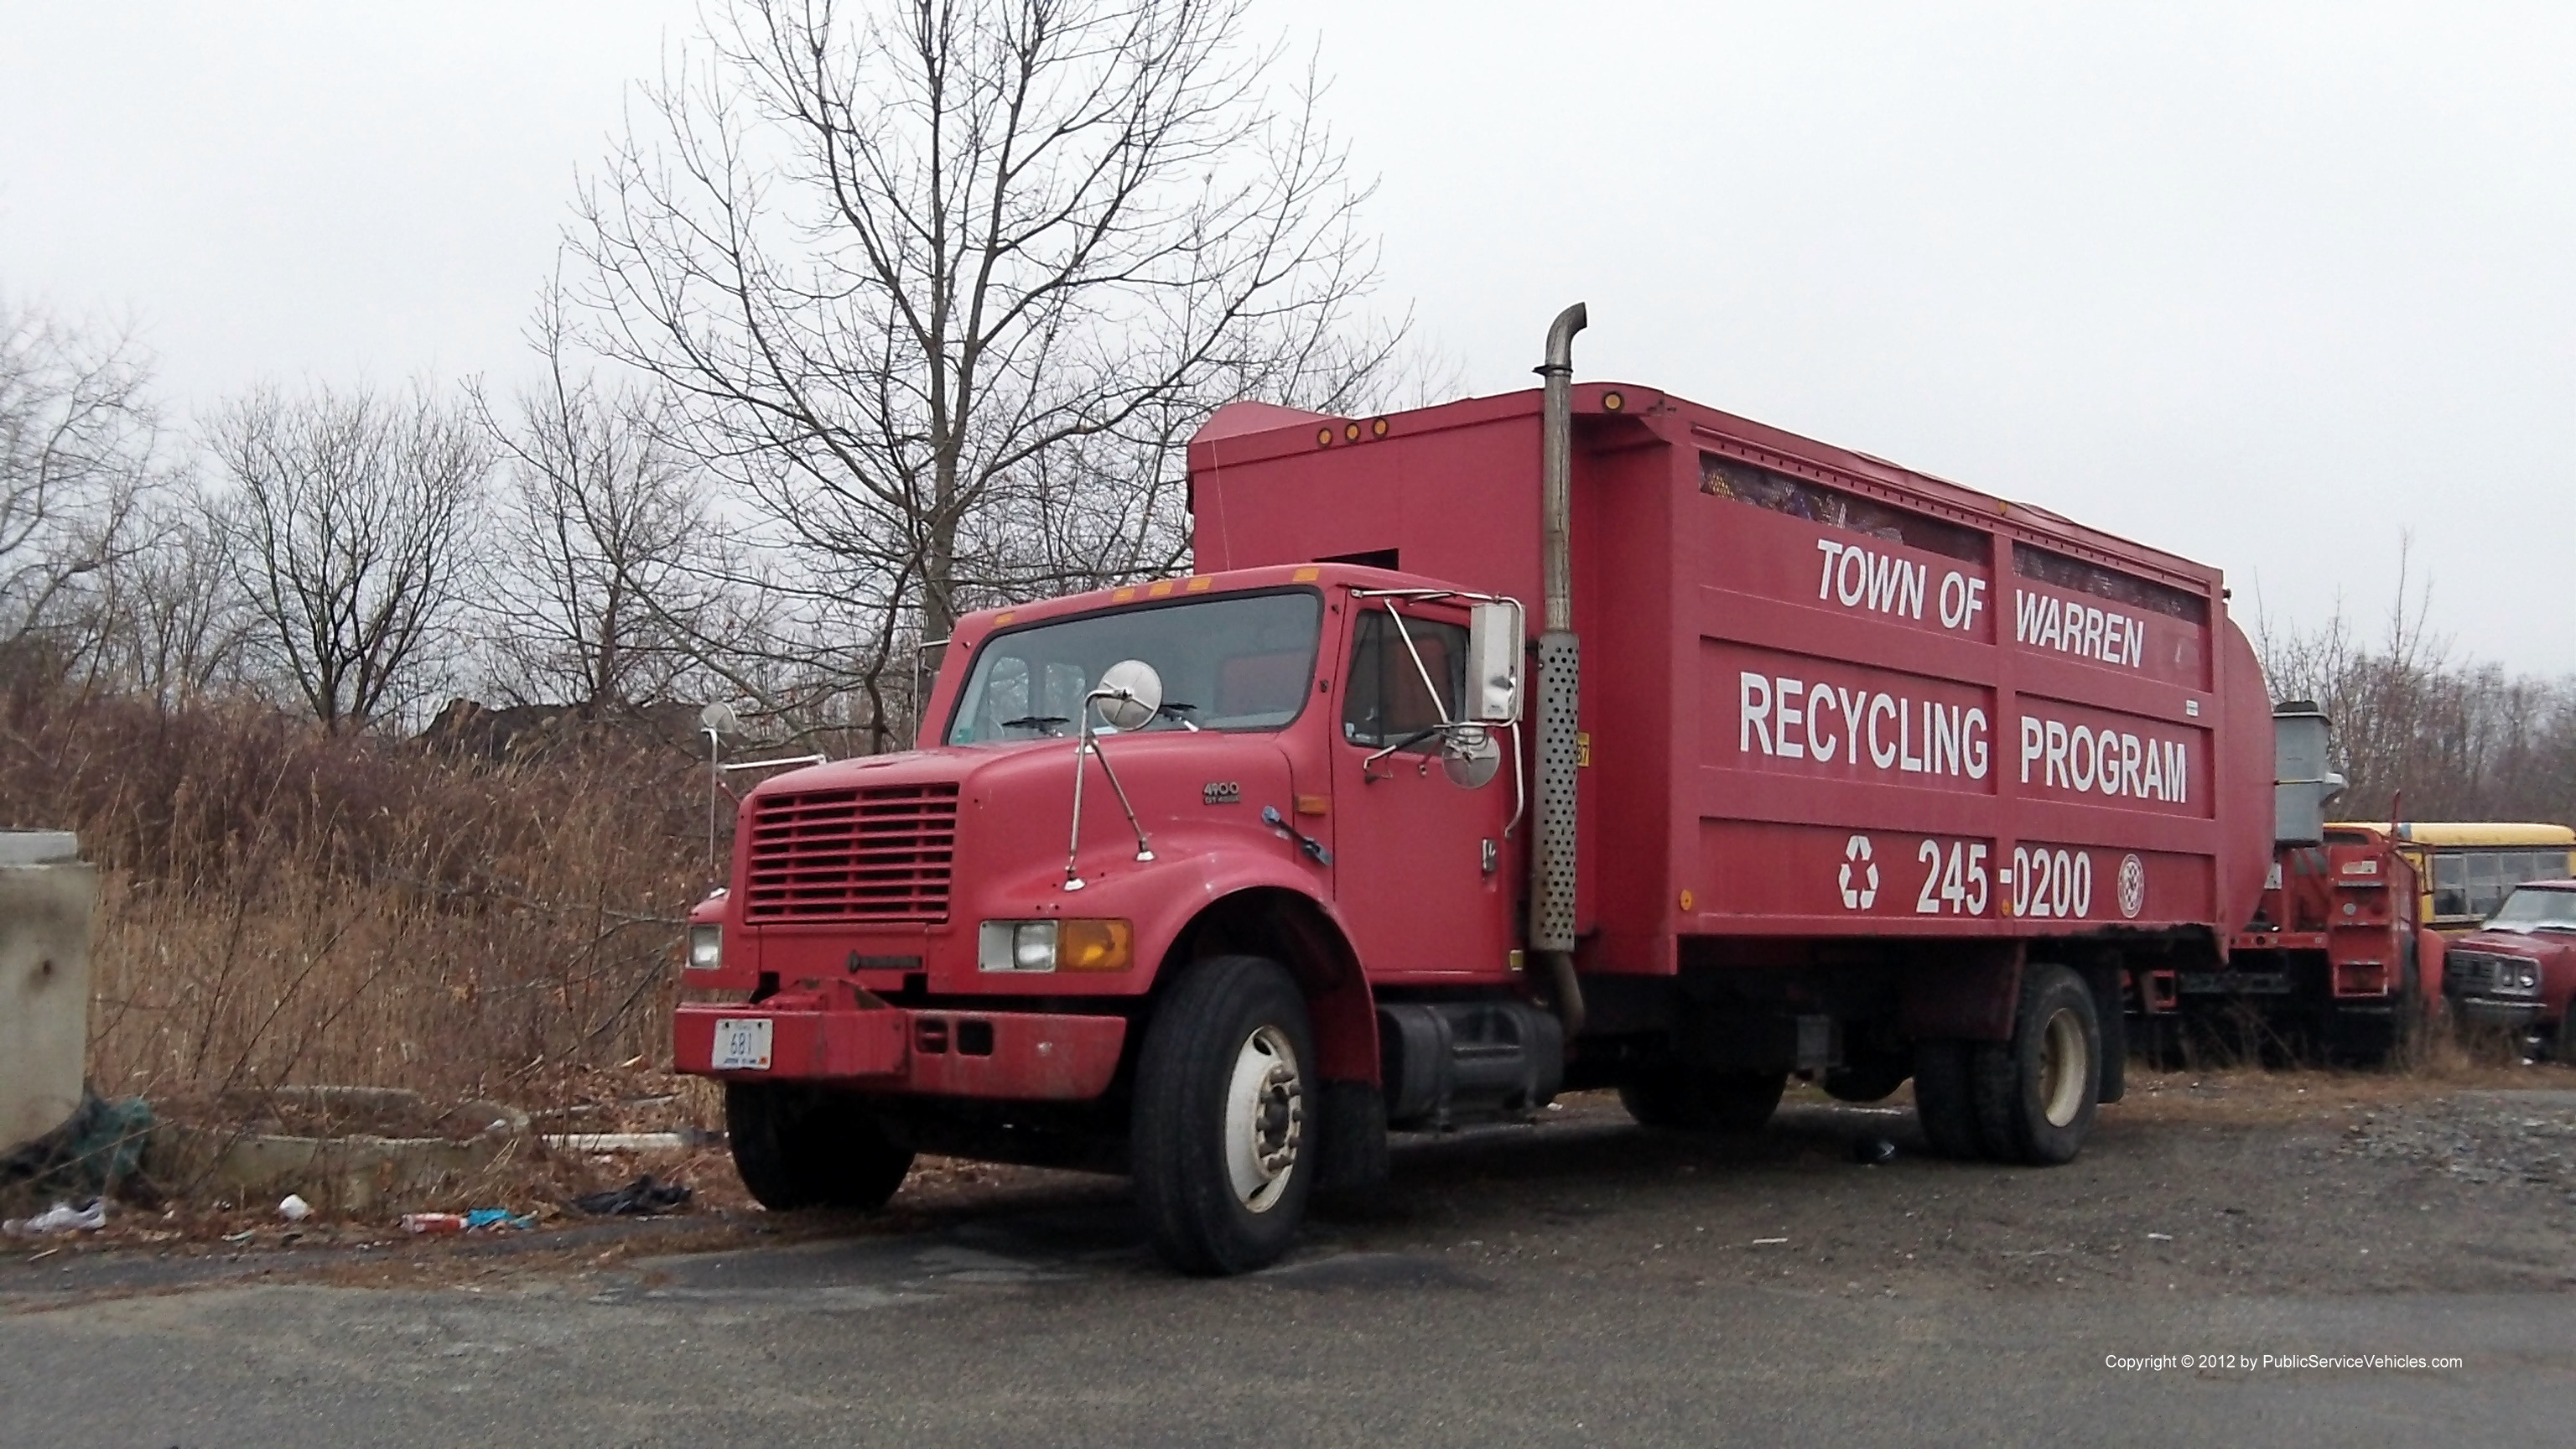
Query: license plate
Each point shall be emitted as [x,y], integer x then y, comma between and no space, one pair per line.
[742,1044]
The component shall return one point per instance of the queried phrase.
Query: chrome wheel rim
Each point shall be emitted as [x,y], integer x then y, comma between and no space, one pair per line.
[2062,1068]
[1265,1118]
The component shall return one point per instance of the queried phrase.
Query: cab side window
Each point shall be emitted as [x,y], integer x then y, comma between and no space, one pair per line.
[1385,700]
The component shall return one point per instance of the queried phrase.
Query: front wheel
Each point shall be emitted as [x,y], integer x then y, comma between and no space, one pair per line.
[1222,1117]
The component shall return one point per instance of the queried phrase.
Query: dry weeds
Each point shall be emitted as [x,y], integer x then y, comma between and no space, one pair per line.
[279,906]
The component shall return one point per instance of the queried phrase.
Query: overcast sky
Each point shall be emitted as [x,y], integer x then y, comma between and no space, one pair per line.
[2268,285]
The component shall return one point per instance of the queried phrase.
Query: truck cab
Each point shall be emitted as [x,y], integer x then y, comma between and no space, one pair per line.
[2518,971]
[1292,769]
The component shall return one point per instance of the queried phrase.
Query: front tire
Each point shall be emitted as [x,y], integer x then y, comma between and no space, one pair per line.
[2036,1094]
[1222,1127]
[798,1146]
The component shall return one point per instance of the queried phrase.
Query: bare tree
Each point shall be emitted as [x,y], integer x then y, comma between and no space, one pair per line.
[933,280]
[2421,733]
[78,439]
[350,530]
[608,584]
[166,618]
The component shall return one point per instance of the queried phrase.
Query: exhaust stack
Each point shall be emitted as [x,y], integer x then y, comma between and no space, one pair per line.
[1551,925]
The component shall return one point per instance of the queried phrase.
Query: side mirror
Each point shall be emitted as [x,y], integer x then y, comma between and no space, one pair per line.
[1130,694]
[1469,756]
[1495,646]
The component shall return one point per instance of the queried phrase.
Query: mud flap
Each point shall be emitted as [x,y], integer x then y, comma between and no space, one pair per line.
[2111,1009]
[1354,1156]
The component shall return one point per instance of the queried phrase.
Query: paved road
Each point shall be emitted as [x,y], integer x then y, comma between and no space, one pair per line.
[1599,1285]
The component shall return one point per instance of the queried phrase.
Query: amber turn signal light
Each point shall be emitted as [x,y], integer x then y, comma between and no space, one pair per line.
[1095,945]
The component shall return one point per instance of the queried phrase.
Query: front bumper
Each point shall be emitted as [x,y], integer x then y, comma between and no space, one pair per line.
[2491,1011]
[1021,1056]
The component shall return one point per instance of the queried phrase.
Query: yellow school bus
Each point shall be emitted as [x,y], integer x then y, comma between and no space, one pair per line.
[2466,869]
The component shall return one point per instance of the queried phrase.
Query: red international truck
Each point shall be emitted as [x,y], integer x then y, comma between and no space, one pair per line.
[1581,737]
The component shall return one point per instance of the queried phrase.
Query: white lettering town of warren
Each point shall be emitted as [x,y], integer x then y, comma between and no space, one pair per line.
[2043,622]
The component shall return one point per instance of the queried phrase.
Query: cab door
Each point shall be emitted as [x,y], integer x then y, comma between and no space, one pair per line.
[1423,874]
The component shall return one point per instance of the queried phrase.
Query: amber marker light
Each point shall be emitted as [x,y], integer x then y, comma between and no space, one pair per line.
[1611,402]
[1095,945]
[1352,432]
[1377,428]
[1323,437]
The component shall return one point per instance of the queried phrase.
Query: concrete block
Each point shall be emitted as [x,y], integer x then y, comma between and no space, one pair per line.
[353,1170]
[46,894]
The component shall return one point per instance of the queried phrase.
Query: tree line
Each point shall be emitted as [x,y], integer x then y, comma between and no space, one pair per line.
[874,315]
[2422,732]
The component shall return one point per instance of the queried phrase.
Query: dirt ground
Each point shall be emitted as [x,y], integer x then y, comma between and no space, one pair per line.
[2225,1182]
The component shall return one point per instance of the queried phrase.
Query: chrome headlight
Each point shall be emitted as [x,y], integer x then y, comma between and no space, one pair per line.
[1015,946]
[706,948]
[1055,945]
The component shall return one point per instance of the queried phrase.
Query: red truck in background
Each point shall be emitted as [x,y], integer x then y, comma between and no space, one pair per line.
[2517,973]
[1570,738]
[2337,962]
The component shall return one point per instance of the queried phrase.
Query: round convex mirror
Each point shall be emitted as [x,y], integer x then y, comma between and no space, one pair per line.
[1469,756]
[1130,694]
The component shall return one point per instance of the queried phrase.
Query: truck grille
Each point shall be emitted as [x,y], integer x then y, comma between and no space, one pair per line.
[2479,974]
[875,854]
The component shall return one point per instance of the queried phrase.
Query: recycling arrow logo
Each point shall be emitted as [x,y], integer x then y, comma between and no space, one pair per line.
[1860,886]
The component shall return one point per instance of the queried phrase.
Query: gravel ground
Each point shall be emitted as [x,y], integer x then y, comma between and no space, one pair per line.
[1574,1281]
[2241,1182]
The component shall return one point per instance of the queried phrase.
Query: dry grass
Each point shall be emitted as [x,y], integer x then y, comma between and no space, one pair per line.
[278,906]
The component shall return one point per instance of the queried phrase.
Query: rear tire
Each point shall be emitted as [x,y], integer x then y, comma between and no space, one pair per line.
[1687,1099]
[1223,1138]
[2036,1094]
[798,1146]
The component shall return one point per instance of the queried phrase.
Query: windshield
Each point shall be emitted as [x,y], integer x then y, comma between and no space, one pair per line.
[2528,910]
[1230,662]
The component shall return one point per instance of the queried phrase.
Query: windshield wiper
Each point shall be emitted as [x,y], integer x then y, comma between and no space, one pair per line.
[1179,712]
[1049,723]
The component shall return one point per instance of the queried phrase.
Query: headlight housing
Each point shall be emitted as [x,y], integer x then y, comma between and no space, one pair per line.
[1055,945]
[706,948]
